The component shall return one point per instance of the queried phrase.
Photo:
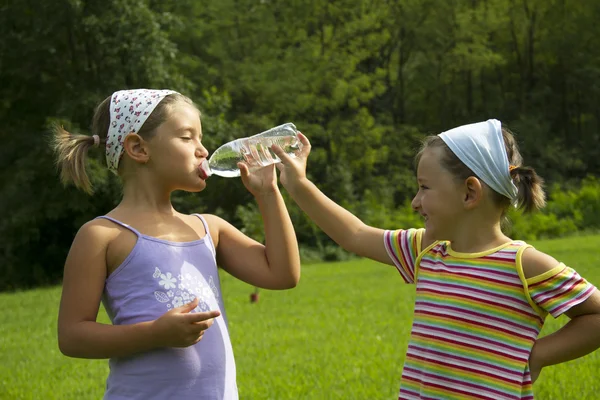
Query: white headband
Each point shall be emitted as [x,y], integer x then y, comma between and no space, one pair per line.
[129,109]
[481,147]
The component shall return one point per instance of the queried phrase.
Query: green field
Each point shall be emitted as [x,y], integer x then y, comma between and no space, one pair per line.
[341,334]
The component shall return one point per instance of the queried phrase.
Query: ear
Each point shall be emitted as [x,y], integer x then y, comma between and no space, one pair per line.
[473,192]
[136,148]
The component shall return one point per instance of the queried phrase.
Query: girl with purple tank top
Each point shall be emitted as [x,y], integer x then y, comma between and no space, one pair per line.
[155,269]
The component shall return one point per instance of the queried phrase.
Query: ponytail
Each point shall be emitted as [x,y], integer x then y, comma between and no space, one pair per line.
[530,185]
[531,194]
[71,150]
[71,154]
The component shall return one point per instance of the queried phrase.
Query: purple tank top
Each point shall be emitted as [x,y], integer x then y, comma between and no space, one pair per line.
[157,276]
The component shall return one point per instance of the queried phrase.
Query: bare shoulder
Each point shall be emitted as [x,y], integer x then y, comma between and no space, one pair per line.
[211,218]
[216,225]
[98,230]
[536,263]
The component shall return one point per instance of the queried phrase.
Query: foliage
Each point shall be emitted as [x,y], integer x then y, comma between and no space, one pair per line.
[364,80]
[569,210]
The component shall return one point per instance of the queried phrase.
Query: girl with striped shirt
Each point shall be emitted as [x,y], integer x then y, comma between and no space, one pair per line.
[481,297]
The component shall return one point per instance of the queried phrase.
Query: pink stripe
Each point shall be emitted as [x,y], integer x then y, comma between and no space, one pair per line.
[471,346]
[478,291]
[456,381]
[445,388]
[425,266]
[557,289]
[479,300]
[410,393]
[465,369]
[405,248]
[510,257]
[473,271]
[464,359]
[473,313]
[547,279]
[438,250]
[472,289]
[573,302]
[394,257]
[472,337]
[477,323]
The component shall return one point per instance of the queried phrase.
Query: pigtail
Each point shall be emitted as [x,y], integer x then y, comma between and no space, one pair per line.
[531,194]
[71,155]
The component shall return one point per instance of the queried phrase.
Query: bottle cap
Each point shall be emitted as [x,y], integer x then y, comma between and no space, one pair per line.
[204,167]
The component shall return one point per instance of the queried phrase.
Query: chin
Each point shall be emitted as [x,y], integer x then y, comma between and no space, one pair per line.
[194,188]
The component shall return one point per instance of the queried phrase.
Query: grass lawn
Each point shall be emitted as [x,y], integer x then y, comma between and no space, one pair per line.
[341,334]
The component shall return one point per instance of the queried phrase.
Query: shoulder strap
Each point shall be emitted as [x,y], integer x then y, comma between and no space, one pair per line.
[210,241]
[120,224]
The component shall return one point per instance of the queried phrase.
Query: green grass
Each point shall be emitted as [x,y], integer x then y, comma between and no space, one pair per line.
[341,333]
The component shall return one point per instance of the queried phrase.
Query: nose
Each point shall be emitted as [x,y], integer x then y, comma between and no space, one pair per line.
[201,151]
[416,202]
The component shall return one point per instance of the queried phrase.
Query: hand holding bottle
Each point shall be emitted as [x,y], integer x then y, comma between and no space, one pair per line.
[293,169]
[260,181]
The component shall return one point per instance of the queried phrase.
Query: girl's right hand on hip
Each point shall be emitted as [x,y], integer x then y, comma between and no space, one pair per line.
[180,327]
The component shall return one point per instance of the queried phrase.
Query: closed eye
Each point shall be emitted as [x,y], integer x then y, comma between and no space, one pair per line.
[186,138]
[423,187]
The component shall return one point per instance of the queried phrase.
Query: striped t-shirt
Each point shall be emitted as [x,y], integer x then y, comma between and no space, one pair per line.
[476,317]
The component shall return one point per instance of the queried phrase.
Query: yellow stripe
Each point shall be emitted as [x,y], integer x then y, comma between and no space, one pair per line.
[476,330]
[441,343]
[477,255]
[546,274]
[470,377]
[526,282]
[452,349]
[421,254]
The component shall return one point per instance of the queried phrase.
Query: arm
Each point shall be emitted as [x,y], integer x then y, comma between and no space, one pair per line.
[339,224]
[580,336]
[275,265]
[79,335]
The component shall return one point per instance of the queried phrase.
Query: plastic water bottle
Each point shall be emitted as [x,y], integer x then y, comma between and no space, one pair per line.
[255,151]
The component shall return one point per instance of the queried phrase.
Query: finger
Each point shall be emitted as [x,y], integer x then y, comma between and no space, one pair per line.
[198,327]
[186,308]
[283,156]
[305,143]
[244,171]
[203,316]
[303,139]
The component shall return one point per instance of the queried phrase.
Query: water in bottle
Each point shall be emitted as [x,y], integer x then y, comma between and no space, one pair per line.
[255,151]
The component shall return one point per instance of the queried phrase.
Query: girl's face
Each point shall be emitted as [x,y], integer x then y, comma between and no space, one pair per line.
[176,151]
[440,198]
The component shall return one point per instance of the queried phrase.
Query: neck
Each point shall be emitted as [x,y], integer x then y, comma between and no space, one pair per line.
[474,235]
[145,196]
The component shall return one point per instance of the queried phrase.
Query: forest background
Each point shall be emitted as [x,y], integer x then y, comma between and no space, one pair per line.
[365,80]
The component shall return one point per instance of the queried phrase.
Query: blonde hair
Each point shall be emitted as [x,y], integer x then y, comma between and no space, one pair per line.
[71,149]
[530,185]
